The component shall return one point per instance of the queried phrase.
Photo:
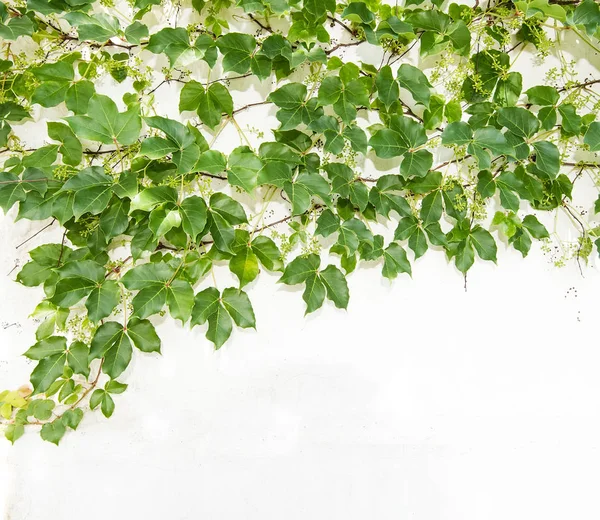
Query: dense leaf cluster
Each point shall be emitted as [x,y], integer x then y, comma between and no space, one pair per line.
[150,206]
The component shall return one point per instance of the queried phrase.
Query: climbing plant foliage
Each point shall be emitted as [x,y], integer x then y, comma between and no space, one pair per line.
[388,130]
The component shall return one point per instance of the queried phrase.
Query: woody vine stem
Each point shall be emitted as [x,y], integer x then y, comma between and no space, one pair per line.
[388,131]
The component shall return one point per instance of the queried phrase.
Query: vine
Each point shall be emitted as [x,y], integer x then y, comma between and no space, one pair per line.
[401,129]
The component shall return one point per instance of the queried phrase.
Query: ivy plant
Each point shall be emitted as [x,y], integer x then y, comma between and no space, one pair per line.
[399,130]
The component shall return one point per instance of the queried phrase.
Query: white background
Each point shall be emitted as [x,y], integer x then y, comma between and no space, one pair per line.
[422,401]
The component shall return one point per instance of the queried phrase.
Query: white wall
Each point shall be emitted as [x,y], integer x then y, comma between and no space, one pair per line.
[422,401]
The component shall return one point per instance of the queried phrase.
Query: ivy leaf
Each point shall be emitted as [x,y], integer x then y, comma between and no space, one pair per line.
[17,26]
[267,252]
[465,256]
[100,27]
[484,243]
[277,163]
[11,190]
[54,431]
[402,135]
[105,124]
[219,326]
[238,305]
[180,299]
[431,207]
[314,293]
[76,280]
[542,95]
[71,149]
[519,121]
[416,164]
[395,261]
[47,371]
[387,87]
[547,158]
[172,42]
[457,133]
[118,356]
[77,358]
[299,269]
[244,265]
[412,79]
[335,283]
[78,97]
[535,227]
[205,304]
[592,137]
[47,347]
[237,50]
[193,212]
[243,168]
[102,300]
[93,190]
[143,335]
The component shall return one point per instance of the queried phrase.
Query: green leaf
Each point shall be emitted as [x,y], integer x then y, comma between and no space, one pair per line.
[592,137]
[519,121]
[47,347]
[395,261]
[243,168]
[431,207]
[219,326]
[535,227]
[107,405]
[77,358]
[104,338]
[237,49]
[358,12]
[102,300]
[205,304]
[543,96]
[402,135]
[337,288]
[17,26]
[11,190]
[412,79]
[231,210]
[13,432]
[53,432]
[193,212]
[71,148]
[72,417]
[484,243]
[465,256]
[267,252]
[244,265]
[547,158]
[416,164]
[388,91]
[118,356]
[78,97]
[105,124]
[143,335]
[137,31]
[314,293]
[157,147]
[299,269]
[172,42]
[114,387]
[239,307]
[47,371]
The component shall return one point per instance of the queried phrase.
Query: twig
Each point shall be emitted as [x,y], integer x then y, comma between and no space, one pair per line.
[35,234]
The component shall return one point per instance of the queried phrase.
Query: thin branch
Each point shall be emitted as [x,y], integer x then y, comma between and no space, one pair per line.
[261,25]
[36,234]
